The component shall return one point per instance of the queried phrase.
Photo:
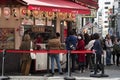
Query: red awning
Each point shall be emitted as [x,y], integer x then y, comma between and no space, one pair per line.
[90,3]
[57,6]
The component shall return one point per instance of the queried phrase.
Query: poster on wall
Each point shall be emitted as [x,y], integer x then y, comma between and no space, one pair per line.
[7,38]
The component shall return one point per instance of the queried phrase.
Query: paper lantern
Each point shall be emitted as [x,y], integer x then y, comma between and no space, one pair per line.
[62,16]
[6,12]
[50,15]
[40,14]
[23,12]
[36,13]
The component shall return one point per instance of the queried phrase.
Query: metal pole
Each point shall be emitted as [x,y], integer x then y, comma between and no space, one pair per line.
[2,77]
[3,61]
[48,63]
[69,71]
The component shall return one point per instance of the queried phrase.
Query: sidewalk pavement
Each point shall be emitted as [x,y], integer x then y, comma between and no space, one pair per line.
[112,71]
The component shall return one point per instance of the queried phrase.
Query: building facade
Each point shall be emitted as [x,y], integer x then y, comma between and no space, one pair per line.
[105,9]
[116,16]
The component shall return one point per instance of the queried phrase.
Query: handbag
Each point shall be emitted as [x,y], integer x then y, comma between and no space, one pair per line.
[33,55]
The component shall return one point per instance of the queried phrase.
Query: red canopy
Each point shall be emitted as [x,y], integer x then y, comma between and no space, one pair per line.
[90,2]
[57,6]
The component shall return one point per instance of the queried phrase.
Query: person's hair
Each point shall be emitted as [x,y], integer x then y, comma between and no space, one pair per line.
[107,35]
[57,34]
[53,35]
[91,37]
[71,32]
[81,35]
[96,36]
[27,37]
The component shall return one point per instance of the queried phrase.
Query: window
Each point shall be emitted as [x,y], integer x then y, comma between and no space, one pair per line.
[105,21]
[106,7]
[106,16]
[107,2]
[118,4]
[106,26]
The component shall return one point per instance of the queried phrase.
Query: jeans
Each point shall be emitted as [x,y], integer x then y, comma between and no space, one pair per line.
[72,61]
[117,60]
[56,57]
[108,56]
[98,64]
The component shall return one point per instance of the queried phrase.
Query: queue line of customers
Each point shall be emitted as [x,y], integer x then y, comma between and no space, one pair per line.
[79,42]
[26,60]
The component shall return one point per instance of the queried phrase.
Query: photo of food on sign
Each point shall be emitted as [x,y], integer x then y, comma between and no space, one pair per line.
[7,38]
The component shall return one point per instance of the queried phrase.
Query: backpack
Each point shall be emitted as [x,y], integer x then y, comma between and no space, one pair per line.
[116,47]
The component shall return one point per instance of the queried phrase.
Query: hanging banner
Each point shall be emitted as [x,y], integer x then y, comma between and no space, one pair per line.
[6,12]
[15,13]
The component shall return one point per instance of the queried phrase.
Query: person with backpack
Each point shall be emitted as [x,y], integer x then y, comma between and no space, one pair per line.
[116,50]
[71,42]
[97,47]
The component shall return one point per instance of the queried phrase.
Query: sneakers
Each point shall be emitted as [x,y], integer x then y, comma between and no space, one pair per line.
[52,74]
[61,73]
[100,72]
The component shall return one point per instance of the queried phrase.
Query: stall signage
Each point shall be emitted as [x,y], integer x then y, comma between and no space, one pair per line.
[54,9]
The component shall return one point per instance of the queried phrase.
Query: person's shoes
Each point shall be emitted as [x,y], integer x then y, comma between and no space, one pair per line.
[117,65]
[73,70]
[100,72]
[52,74]
[61,73]
[108,64]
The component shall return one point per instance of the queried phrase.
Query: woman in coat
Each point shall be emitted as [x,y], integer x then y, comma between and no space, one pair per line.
[55,44]
[26,58]
[81,57]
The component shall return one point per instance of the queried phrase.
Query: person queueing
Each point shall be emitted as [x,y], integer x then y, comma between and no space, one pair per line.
[81,57]
[89,46]
[97,47]
[87,40]
[71,40]
[26,58]
[116,49]
[55,44]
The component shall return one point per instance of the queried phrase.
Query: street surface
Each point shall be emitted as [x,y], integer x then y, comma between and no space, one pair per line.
[112,71]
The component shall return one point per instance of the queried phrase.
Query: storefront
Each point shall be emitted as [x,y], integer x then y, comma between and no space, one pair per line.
[39,17]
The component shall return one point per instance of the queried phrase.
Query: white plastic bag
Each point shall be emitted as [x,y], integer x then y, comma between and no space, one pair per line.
[61,56]
[33,55]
